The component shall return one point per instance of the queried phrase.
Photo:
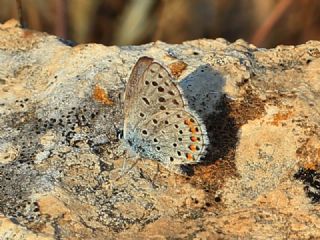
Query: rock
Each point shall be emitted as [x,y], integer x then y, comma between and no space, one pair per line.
[61,159]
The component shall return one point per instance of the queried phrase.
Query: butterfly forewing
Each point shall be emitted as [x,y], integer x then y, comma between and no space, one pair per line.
[133,86]
[159,92]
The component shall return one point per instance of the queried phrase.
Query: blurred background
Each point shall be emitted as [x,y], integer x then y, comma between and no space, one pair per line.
[125,22]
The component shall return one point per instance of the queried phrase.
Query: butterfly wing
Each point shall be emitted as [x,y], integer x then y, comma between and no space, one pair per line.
[133,87]
[173,137]
[146,88]
[158,125]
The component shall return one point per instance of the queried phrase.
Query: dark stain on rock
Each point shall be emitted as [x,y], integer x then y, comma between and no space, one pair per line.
[311,181]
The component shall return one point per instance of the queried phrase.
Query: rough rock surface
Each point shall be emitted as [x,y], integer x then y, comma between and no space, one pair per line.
[61,157]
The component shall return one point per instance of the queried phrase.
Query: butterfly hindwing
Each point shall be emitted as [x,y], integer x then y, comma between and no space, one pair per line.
[174,137]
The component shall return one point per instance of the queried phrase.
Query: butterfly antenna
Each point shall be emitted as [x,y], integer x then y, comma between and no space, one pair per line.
[123,171]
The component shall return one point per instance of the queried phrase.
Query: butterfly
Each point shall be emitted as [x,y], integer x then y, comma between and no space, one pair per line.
[158,124]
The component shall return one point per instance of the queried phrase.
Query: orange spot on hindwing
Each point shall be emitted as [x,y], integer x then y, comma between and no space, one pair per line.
[189,156]
[193,138]
[193,148]
[193,128]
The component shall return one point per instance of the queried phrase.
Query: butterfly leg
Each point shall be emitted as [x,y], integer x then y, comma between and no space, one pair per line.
[124,171]
[155,176]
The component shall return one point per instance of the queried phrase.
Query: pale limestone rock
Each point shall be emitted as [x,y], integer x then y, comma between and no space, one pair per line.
[61,159]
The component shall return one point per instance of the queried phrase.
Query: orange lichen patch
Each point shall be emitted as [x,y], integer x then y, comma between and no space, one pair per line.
[213,175]
[311,165]
[28,33]
[189,156]
[309,153]
[177,68]
[100,95]
[279,117]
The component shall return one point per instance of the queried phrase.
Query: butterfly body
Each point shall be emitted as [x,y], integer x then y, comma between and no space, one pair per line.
[158,124]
